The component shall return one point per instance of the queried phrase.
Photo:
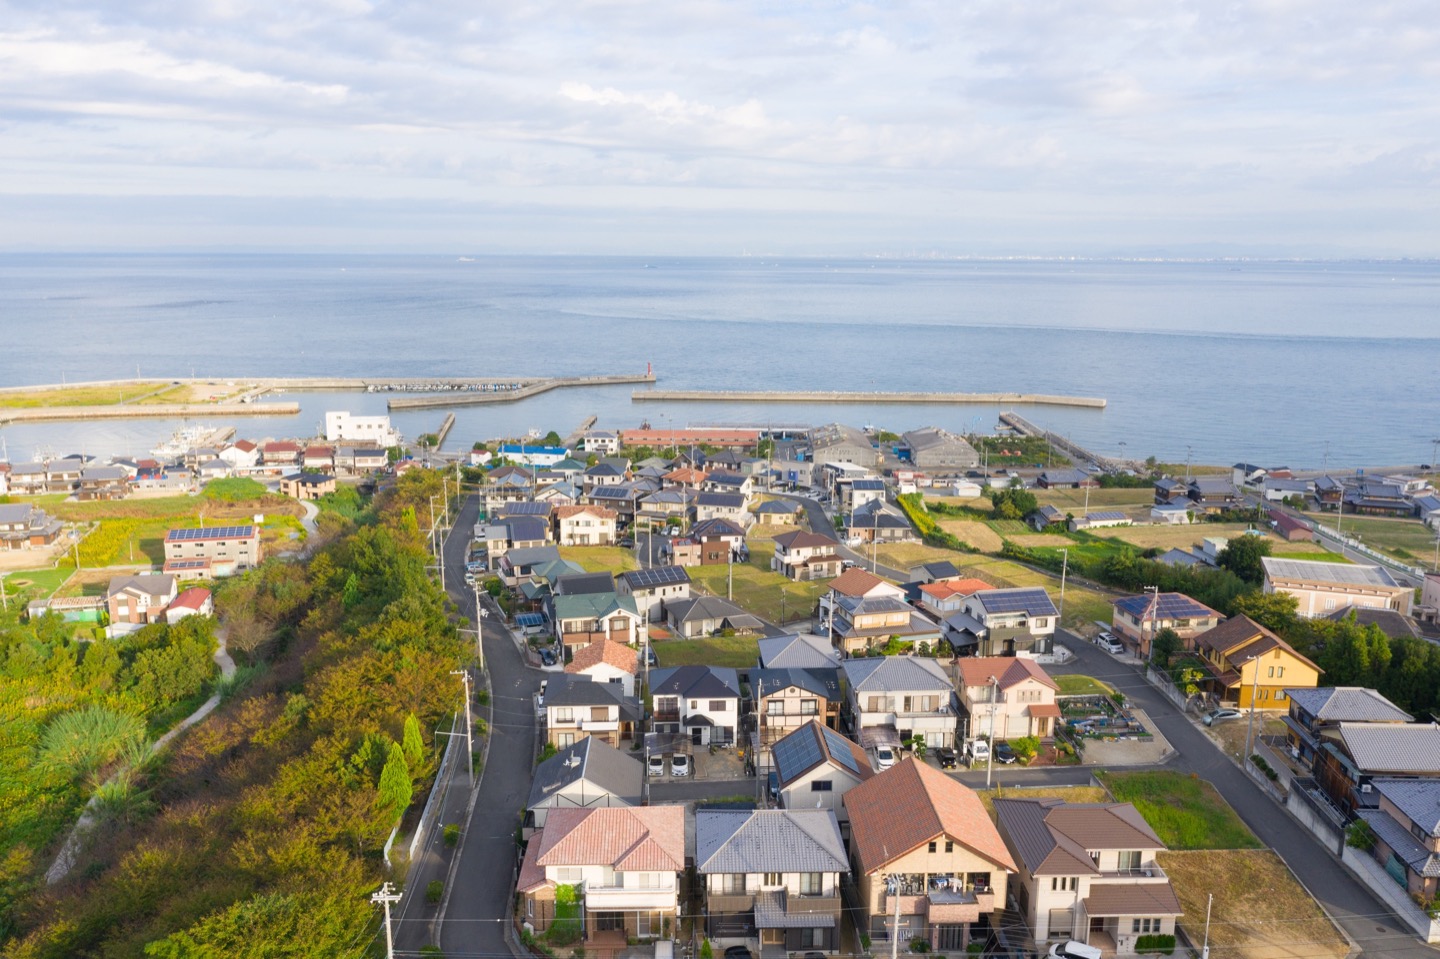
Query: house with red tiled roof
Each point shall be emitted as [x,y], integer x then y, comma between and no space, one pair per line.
[924,839]
[1088,873]
[623,862]
[280,453]
[855,584]
[195,601]
[1020,701]
[948,596]
[584,525]
[606,661]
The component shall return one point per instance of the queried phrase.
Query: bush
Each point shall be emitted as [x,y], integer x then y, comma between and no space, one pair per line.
[435,891]
[452,834]
[975,948]
[919,945]
[1359,835]
[1264,767]
[707,951]
[1155,943]
[1026,748]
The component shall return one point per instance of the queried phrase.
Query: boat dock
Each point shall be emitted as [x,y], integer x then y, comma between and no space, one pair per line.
[1075,451]
[864,398]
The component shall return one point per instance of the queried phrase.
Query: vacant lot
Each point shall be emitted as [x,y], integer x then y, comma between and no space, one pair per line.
[1185,811]
[1073,500]
[1259,912]
[1066,793]
[78,395]
[1082,686]
[1407,539]
[1168,537]
[904,555]
[601,559]
[756,589]
[1042,539]
[736,651]
[977,534]
[1232,734]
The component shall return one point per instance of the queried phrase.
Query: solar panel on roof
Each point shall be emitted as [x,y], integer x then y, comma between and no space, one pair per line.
[794,754]
[1007,602]
[657,576]
[840,749]
[187,564]
[210,532]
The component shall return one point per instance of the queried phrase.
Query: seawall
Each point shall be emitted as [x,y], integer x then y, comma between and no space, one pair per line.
[159,411]
[843,396]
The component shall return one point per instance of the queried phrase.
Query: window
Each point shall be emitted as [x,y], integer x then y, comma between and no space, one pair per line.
[949,846]
[932,847]
[773,879]
[719,705]
[1144,925]
[529,907]
[822,786]
[775,707]
[812,883]
[1064,883]
[1271,674]
[814,938]
[1129,859]
[564,714]
[809,707]
[732,883]
[569,874]
[599,714]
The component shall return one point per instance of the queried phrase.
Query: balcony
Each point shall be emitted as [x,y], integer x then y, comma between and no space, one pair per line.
[620,898]
[1150,870]
[805,905]
[727,904]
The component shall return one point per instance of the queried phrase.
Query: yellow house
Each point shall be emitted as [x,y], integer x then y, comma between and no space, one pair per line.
[1246,662]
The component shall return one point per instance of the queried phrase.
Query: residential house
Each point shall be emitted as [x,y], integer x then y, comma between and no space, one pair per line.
[27,479]
[577,707]
[1172,491]
[103,483]
[838,443]
[1100,520]
[786,699]
[606,661]
[592,616]
[212,551]
[318,459]
[878,522]
[702,702]
[1045,516]
[591,774]
[1275,490]
[855,491]
[1389,622]
[625,862]
[1321,588]
[211,470]
[802,555]
[138,600]
[710,542]
[604,473]
[195,601]
[307,486]
[1427,508]
[624,499]
[1291,528]
[518,564]
[1087,872]
[922,838]
[935,572]
[701,616]
[728,506]
[1316,713]
[1356,754]
[584,526]
[816,767]
[23,526]
[858,623]
[1136,619]
[890,699]
[604,442]
[724,481]
[1406,824]
[855,583]
[937,450]
[280,453]
[663,505]
[242,455]
[650,589]
[1066,479]
[947,597]
[1003,622]
[683,477]
[772,877]
[781,512]
[797,652]
[63,475]
[1329,492]
[1171,514]
[1378,498]
[1213,494]
[1247,663]
[1005,697]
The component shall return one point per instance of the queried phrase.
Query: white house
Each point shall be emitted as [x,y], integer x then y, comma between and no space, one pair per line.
[652,588]
[606,661]
[340,425]
[701,701]
[892,698]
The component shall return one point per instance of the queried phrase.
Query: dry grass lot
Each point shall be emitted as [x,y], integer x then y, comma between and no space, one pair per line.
[1231,735]
[904,555]
[195,393]
[1260,910]
[1168,537]
[1073,500]
[601,559]
[1042,539]
[977,534]
[1067,793]
[78,395]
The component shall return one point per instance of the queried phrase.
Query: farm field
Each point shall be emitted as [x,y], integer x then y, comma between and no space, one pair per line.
[977,534]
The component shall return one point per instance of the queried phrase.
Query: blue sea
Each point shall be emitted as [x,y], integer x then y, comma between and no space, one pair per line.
[1296,363]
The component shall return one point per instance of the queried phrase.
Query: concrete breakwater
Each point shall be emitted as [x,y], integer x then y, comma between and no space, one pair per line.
[533,388]
[843,396]
[159,411]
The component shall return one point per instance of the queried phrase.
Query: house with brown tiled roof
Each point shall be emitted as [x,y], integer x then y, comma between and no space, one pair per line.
[1243,658]
[624,863]
[948,596]
[802,555]
[1006,696]
[1087,872]
[280,453]
[606,661]
[585,525]
[924,839]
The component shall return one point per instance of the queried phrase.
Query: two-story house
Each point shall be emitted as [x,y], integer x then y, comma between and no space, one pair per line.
[212,551]
[856,583]
[1212,494]
[1357,754]
[1246,663]
[1405,822]
[924,839]
[858,623]
[606,661]
[588,775]
[1003,622]
[625,864]
[701,616]
[778,512]
[23,526]
[650,589]
[945,598]
[786,699]
[1315,715]
[577,707]
[1005,697]
[720,541]
[877,522]
[584,526]
[1136,619]
[730,506]
[890,699]
[137,600]
[803,555]
[700,701]
[816,766]
[1321,588]
[725,481]
[588,617]
[1087,872]
[772,877]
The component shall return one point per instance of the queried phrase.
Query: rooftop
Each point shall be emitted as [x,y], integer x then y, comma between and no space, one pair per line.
[1338,574]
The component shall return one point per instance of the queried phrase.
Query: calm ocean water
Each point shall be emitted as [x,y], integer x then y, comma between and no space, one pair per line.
[1272,362]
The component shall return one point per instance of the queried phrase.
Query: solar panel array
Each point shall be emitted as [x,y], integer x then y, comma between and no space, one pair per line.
[529,619]
[1166,606]
[187,564]
[840,749]
[795,754]
[657,576]
[210,532]
[525,508]
[1014,601]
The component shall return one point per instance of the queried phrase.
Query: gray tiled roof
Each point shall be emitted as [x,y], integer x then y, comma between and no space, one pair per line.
[597,763]
[707,682]
[1417,798]
[797,651]
[895,674]
[768,840]
[1398,838]
[1393,748]
[1343,574]
[1357,704]
[824,681]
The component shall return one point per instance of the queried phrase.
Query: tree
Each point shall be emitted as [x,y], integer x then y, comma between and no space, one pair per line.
[412,744]
[552,438]
[1275,611]
[395,790]
[1013,502]
[1242,556]
[1164,646]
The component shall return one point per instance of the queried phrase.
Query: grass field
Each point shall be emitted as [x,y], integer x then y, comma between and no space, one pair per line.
[601,559]
[734,651]
[760,591]
[1169,537]
[1082,604]
[1067,793]
[1073,500]
[979,535]
[1260,911]
[1406,539]
[78,395]
[1041,539]
[904,555]
[33,583]
[133,531]
[1185,811]
[1311,551]
[1081,686]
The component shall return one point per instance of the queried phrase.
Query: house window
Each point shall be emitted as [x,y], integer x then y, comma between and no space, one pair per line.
[949,846]
[569,874]
[718,706]
[529,907]
[932,846]
[773,879]
[822,786]
[599,714]
[1271,674]
[1329,602]
[1129,859]
[564,714]
[775,707]
[815,938]
[809,707]
[732,883]
[812,883]
[1144,925]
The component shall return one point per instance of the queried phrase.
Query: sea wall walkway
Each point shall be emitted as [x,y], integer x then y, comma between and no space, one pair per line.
[848,396]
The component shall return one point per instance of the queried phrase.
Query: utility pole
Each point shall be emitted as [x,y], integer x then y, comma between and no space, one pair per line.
[1189,451]
[480,616]
[1150,614]
[1205,947]
[5,600]
[895,931]
[1064,568]
[385,896]
[1250,725]
[994,705]
[469,745]
[730,576]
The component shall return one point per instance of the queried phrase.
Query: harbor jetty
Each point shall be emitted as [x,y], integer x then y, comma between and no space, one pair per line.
[848,396]
[522,391]
[153,411]
[1023,427]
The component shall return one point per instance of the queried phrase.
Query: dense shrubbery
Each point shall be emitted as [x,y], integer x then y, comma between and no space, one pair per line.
[916,510]
[270,818]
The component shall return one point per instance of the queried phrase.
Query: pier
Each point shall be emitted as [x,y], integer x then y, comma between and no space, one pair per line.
[842,396]
[157,411]
[444,430]
[1075,451]
[529,389]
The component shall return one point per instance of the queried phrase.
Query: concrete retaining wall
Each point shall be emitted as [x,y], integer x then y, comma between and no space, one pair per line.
[1369,872]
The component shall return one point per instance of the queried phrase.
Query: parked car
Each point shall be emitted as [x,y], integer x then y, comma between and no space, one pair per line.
[650,656]
[1111,645]
[1073,950]
[679,765]
[946,757]
[540,698]
[772,787]
[977,751]
[738,952]
[1003,753]
[1221,715]
[884,757]
[655,764]
[547,656]
[626,542]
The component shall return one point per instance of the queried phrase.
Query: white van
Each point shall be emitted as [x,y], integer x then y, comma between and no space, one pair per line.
[977,751]
[1073,950]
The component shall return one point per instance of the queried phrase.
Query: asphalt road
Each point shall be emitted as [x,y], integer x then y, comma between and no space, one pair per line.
[1368,921]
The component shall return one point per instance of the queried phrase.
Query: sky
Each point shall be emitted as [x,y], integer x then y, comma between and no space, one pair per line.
[1049,128]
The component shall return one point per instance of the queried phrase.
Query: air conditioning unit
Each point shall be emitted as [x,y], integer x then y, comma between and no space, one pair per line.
[1365,788]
